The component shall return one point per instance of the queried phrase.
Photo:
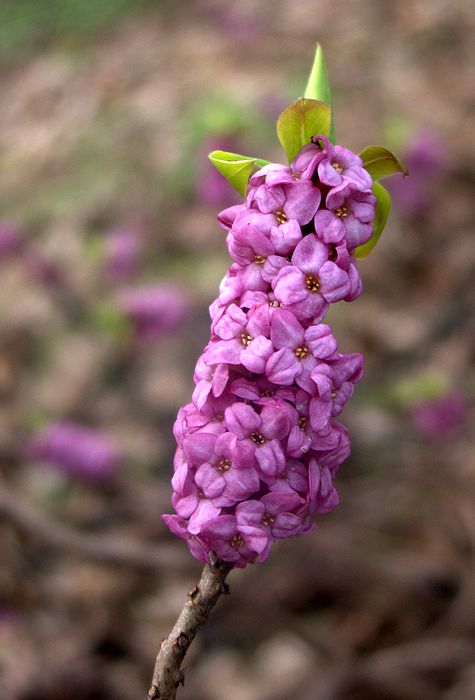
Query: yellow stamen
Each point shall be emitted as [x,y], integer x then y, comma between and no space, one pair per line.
[281,217]
[312,283]
[236,541]
[301,352]
[342,212]
[224,464]
[258,438]
[268,519]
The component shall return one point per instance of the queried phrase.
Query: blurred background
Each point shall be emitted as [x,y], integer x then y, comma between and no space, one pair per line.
[109,257]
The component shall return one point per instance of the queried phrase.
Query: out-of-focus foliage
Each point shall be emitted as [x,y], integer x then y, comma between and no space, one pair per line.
[26,25]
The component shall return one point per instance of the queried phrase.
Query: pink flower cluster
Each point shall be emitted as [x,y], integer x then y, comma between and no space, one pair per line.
[259,445]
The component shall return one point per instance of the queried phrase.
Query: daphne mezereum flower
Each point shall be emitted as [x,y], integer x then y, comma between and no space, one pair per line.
[76,450]
[259,445]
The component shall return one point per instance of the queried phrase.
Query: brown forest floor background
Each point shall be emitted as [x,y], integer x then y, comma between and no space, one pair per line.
[107,113]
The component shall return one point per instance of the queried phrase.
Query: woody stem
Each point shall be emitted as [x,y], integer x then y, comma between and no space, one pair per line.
[167,675]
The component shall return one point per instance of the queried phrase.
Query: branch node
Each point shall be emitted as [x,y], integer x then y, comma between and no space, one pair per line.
[181,642]
[167,674]
[224,588]
[213,560]
[153,693]
[193,595]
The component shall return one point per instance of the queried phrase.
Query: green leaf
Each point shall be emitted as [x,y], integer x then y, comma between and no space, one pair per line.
[383,207]
[380,162]
[318,85]
[235,168]
[300,121]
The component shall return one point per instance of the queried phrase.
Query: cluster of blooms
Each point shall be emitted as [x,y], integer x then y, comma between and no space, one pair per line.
[258,446]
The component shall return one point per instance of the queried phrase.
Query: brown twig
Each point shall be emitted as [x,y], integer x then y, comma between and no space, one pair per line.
[41,526]
[167,675]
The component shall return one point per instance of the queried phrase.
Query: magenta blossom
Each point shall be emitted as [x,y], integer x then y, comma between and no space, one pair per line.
[222,536]
[311,281]
[268,519]
[348,216]
[259,446]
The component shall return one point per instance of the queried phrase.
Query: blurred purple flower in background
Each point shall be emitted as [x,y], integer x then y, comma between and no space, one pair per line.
[426,159]
[154,311]
[212,187]
[44,271]
[11,240]
[123,250]
[230,19]
[441,417]
[14,244]
[75,450]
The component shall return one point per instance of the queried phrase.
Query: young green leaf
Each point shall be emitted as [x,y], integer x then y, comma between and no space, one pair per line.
[235,168]
[380,162]
[300,121]
[383,207]
[318,85]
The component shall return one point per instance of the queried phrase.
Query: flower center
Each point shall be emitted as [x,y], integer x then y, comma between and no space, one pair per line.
[267,393]
[337,167]
[334,394]
[259,259]
[275,304]
[281,217]
[268,519]
[236,541]
[301,352]
[224,464]
[302,423]
[258,438]
[312,283]
[245,338]
[342,212]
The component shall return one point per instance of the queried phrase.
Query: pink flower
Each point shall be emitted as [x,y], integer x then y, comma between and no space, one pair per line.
[258,447]
[297,350]
[242,339]
[311,282]
[349,216]
[268,519]
[221,536]
[262,433]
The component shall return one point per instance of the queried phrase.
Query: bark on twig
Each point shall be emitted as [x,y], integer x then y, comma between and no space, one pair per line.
[167,675]
[56,534]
